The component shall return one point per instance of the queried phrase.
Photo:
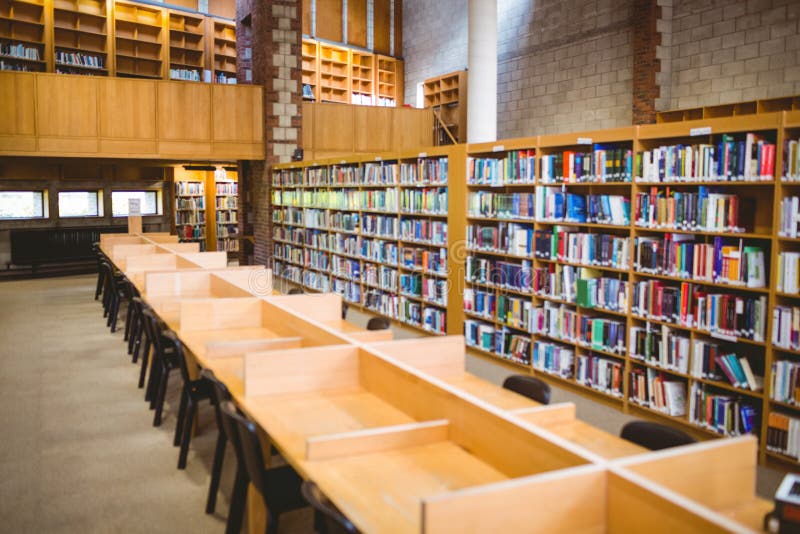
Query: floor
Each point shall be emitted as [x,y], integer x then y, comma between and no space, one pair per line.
[78,451]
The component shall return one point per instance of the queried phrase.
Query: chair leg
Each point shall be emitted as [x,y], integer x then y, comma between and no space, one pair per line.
[162,392]
[145,360]
[181,414]
[236,511]
[153,380]
[128,324]
[99,289]
[216,472]
[133,338]
[187,433]
[114,314]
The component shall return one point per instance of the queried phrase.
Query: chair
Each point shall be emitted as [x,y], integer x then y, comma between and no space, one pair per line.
[295,291]
[219,394]
[655,436]
[131,317]
[164,361]
[378,323]
[327,518]
[137,329]
[100,270]
[193,392]
[116,290]
[529,386]
[344,310]
[279,487]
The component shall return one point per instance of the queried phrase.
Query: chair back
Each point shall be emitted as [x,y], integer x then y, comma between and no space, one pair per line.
[529,386]
[295,291]
[245,441]
[344,310]
[219,394]
[170,340]
[153,328]
[378,323]
[655,436]
[334,521]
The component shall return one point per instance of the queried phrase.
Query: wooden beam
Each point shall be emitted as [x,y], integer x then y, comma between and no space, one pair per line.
[375,440]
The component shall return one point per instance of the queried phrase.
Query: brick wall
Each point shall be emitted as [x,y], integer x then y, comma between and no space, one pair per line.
[733,50]
[434,40]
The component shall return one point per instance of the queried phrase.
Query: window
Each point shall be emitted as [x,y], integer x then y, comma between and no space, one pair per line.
[149,202]
[80,204]
[23,205]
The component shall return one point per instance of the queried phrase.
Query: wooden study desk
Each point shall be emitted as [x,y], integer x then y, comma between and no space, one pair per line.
[402,439]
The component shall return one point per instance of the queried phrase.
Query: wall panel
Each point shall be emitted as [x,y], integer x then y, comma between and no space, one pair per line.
[17,109]
[184,111]
[120,119]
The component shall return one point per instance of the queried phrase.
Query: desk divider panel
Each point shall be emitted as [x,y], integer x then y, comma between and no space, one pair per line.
[380,439]
[570,500]
[371,336]
[255,279]
[440,357]
[319,307]
[180,247]
[220,287]
[161,237]
[547,415]
[720,474]
[207,260]
[153,262]
[221,314]
[234,349]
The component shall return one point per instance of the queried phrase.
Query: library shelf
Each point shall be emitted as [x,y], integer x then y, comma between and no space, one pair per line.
[714,334]
[700,282]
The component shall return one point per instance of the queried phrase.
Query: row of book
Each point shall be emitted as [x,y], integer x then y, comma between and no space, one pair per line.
[661,346]
[514,167]
[582,286]
[506,238]
[224,216]
[231,203]
[791,160]
[189,188]
[381,276]
[424,231]
[789,223]
[227,188]
[81,60]
[6,65]
[287,178]
[506,344]
[652,389]
[350,291]
[723,315]
[434,320]
[601,374]
[191,232]
[426,171]
[553,358]
[783,434]
[225,231]
[730,160]
[191,203]
[421,259]
[788,280]
[492,205]
[381,302]
[722,261]
[702,210]
[785,381]
[316,281]
[425,200]
[725,414]
[503,274]
[554,205]
[19,50]
[567,244]
[786,327]
[191,75]
[190,217]
[602,164]
[344,199]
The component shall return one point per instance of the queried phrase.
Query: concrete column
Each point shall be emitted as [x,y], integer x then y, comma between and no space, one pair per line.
[482,73]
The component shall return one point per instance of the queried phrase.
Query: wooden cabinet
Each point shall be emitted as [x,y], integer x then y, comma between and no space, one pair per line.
[80,37]
[334,83]
[389,81]
[22,35]
[224,52]
[139,32]
[309,65]
[362,78]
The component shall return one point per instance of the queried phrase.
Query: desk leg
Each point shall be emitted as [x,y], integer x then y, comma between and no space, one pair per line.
[256,513]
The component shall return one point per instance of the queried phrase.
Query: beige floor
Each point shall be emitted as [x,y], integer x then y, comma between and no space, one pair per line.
[78,451]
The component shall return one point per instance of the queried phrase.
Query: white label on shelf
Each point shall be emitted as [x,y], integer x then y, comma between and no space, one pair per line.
[134,206]
[720,335]
[343,161]
[584,141]
[423,155]
[498,148]
[378,158]
[705,130]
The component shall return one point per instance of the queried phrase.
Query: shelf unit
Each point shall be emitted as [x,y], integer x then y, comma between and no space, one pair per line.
[374,230]
[186,46]
[226,212]
[447,95]
[23,40]
[224,52]
[336,73]
[139,40]
[80,37]
[191,208]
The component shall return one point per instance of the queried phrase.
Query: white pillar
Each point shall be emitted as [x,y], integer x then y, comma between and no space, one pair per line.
[482,73]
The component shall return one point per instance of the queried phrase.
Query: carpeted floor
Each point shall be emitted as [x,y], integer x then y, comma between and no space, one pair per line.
[78,451]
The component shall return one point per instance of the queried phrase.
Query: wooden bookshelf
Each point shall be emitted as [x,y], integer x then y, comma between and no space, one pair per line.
[310,75]
[389,81]
[224,52]
[23,35]
[362,78]
[334,75]
[186,46]
[139,40]
[374,230]
[226,212]
[191,206]
[447,96]
[80,37]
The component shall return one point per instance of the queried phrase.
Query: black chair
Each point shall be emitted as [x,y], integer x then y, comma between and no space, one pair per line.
[219,394]
[100,270]
[529,386]
[115,292]
[194,391]
[138,332]
[163,362]
[295,291]
[655,436]
[327,518]
[131,317]
[279,487]
[344,310]
[378,323]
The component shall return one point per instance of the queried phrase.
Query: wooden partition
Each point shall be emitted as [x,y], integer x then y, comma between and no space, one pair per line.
[335,130]
[71,116]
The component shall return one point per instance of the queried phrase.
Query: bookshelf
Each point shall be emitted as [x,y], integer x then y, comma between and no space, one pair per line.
[362,78]
[22,35]
[190,206]
[310,75]
[447,96]
[224,52]
[139,40]
[334,75]
[186,46]
[226,211]
[373,230]
[80,37]
[389,81]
